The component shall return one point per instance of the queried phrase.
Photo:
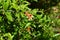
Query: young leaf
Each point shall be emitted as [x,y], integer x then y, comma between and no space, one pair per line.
[6,4]
[9,16]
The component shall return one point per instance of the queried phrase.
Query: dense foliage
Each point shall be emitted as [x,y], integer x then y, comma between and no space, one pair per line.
[20,21]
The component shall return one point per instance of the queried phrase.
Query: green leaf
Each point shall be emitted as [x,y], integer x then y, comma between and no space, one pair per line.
[9,36]
[0,18]
[34,11]
[39,16]
[58,22]
[9,16]
[6,4]
[15,6]
[17,15]
[36,0]
[28,24]
[56,35]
